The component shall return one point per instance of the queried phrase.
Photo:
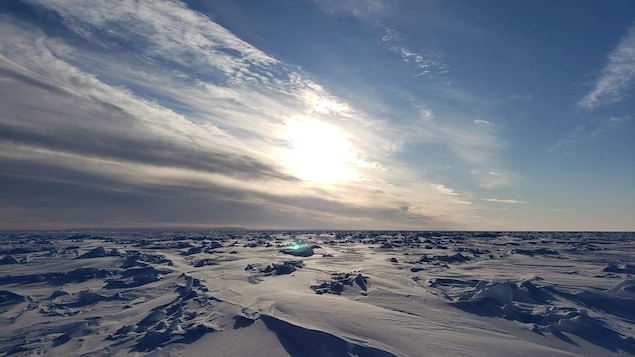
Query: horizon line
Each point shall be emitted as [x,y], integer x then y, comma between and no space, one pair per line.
[231,228]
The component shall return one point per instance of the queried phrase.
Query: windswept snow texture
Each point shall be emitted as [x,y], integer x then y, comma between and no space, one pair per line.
[240,293]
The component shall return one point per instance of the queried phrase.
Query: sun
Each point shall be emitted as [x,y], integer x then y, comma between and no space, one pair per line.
[318,152]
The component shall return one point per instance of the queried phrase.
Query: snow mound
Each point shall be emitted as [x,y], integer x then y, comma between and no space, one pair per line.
[625,289]
[301,341]
[8,259]
[8,299]
[95,253]
[546,310]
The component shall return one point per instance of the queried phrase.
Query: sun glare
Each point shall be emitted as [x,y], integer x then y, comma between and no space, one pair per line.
[319,152]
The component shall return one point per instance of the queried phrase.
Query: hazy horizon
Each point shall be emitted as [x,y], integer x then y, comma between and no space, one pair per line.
[173,229]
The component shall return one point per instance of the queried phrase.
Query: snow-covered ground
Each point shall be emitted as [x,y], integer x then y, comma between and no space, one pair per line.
[317,293]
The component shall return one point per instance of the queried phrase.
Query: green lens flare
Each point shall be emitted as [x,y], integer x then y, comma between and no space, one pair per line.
[296,245]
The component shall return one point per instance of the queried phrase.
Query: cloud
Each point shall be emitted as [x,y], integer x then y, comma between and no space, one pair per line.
[614,122]
[427,114]
[357,8]
[424,62]
[585,132]
[391,35]
[570,138]
[496,200]
[372,11]
[445,190]
[618,75]
[110,122]
[495,178]
[151,103]
[522,97]
[475,143]
[472,140]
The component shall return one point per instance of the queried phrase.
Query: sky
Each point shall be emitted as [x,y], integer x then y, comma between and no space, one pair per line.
[318,114]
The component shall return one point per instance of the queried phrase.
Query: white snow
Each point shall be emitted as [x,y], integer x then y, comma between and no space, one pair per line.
[346,293]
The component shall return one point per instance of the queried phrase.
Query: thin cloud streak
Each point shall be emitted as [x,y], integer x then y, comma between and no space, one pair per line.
[359,8]
[510,201]
[618,75]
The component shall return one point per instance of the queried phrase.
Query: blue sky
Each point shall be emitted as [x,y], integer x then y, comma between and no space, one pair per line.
[322,114]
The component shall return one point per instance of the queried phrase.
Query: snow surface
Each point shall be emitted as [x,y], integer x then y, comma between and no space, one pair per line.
[239,293]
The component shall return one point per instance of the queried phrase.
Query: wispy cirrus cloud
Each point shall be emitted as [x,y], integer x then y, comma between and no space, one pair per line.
[359,8]
[424,62]
[372,11]
[475,141]
[570,138]
[618,75]
[584,132]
